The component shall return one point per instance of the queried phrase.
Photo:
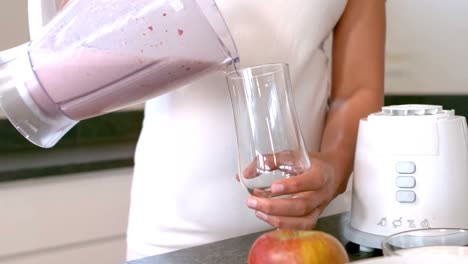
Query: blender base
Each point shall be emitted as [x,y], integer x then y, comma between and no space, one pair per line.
[366,241]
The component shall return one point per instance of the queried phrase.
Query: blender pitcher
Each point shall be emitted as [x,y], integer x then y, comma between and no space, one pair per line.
[98,56]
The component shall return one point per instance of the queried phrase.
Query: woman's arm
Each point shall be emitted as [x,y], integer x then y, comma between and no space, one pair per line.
[357,80]
[357,90]
[63,3]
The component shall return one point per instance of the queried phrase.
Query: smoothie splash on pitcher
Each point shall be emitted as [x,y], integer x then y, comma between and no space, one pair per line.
[100,56]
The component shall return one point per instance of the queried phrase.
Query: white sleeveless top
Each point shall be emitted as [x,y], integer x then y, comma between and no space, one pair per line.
[184,189]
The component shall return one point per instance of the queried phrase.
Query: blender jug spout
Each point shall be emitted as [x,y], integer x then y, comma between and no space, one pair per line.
[219,25]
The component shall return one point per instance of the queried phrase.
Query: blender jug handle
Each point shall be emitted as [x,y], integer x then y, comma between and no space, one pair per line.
[40,12]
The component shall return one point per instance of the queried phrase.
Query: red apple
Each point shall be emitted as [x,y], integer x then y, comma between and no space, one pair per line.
[297,247]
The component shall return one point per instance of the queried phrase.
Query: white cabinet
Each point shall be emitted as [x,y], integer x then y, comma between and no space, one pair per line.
[65,219]
[104,252]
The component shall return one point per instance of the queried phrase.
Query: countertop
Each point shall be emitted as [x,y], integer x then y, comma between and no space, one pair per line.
[236,250]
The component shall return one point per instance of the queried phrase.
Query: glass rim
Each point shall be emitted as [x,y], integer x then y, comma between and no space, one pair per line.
[239,73]
[386,245]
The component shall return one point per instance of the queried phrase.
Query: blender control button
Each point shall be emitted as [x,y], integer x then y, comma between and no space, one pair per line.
[405,182]
[406,196]
[406,167]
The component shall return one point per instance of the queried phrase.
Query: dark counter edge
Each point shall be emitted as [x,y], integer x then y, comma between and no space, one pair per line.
[109,141]
[100,143]
[236,250]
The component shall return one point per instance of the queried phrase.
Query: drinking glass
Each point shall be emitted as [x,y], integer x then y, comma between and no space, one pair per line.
[434,242]
[269,140]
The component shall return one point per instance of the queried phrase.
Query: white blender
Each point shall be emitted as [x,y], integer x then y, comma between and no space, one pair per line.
[410,172]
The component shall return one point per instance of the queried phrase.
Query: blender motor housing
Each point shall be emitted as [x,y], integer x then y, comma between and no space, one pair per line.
[410,172]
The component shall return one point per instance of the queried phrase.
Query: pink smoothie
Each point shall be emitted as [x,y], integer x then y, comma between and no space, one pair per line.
[93,82]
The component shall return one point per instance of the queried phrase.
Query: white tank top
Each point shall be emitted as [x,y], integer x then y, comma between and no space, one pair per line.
[184,189]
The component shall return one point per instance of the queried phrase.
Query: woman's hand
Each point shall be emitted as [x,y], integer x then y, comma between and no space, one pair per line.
[357,90]
[310,192]
[63,3]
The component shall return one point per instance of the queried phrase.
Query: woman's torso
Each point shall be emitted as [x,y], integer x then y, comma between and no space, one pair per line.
[184,191]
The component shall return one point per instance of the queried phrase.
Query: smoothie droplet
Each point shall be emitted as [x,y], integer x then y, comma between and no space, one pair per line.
[150,28]
[164,14]
[180,32]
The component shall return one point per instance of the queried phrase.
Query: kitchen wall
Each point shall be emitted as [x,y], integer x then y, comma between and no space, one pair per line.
[81,218]
[427,47]
[13,23]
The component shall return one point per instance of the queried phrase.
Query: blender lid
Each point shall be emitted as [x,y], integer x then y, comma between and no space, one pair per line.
[420,111]
[412,110]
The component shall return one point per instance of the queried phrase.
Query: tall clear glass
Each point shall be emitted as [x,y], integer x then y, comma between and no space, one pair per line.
[270,142]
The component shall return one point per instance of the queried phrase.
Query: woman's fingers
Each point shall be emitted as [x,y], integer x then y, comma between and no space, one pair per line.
[311,180]
[259,165]
[251,170]
[299,205]
[290,222]
[63,3]
[310,192]
[284,160]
